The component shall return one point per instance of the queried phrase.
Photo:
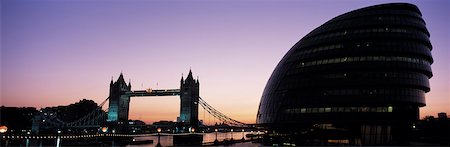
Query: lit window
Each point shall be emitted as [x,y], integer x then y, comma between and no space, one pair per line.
[321,110]
[303,110]
[334,109]
[390,109]
[315,110]
[308,110]
[379,109]
[347,109]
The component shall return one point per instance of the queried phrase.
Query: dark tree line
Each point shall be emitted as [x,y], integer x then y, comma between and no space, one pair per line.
[72,112]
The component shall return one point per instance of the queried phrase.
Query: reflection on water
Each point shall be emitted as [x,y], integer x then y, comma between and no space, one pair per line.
[207,137]
[58,142]
[164,140]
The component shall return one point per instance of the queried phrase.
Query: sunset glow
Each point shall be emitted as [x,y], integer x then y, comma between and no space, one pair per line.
[59,52]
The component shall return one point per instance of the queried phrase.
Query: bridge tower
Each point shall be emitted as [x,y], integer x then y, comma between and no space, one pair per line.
[189,95]
[119,101]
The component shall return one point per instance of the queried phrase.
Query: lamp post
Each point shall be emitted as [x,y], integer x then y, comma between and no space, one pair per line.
[3,130]
[159,131]
[216,141]
[58,139]
[243,135]
[231,134]
[104,129]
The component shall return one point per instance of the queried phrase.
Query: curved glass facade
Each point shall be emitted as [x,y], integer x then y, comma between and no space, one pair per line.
[361,77]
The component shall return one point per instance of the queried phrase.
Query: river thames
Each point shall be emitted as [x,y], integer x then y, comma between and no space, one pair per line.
[165,140]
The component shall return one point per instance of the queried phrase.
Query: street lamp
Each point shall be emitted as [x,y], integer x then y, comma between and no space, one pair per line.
[216,141]
[193,130]
[231,134]
[159,131]
[243,135]
[104,129]
[3,129]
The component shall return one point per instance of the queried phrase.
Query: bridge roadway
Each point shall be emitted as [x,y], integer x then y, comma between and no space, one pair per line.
[156,92]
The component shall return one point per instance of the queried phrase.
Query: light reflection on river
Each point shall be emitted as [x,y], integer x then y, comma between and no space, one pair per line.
[207,137]
[165,140]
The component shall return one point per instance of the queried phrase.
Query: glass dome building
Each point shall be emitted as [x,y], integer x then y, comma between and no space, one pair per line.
[358,79]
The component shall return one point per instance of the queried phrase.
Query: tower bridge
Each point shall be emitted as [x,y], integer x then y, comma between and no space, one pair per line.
[116,115]
[120,94]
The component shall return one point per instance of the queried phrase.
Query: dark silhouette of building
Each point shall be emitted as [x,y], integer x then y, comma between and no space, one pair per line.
[432,131]
[138,127]
[17,119]
[360,78]
[189,95]
[166,126]
[442,116]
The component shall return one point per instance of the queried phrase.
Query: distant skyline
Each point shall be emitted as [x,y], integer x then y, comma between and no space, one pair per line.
[59,52]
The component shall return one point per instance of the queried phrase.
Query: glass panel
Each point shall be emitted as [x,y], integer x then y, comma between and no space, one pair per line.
[303,110]
[315,110]
[321,110]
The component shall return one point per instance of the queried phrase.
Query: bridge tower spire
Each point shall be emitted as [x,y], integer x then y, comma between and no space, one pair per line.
[182,80]
[189,96]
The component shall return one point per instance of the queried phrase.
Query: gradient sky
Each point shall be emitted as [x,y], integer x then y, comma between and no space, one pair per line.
[58,52]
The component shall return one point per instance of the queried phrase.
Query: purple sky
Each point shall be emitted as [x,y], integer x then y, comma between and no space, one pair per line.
[58,52]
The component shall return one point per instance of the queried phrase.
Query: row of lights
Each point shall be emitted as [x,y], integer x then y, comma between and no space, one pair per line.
[66,136]
[3,129]
[52,137]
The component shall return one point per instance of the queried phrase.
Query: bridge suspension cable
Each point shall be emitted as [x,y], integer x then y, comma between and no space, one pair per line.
[93,118]
[217,114]
[98,116]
